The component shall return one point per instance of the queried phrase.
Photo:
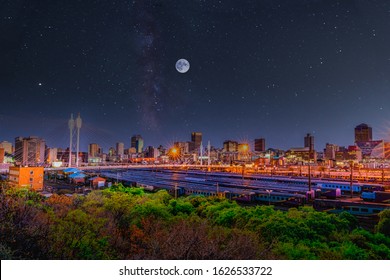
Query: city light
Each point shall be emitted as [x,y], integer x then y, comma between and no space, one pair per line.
[174,153]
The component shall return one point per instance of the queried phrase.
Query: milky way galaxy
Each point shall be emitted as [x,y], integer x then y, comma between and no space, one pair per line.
[150,51]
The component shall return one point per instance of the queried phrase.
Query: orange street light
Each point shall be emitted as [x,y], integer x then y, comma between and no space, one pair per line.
[174,153]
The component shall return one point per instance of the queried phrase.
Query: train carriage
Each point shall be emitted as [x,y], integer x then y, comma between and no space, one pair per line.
[354,208]
[345,187]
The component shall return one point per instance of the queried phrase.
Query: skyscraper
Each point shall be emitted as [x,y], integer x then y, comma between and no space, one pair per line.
[152,152]
[196,139]
[363,133]
[30,150]
[93,150]
[260,145]
[138,143]
[309,142]
[120,149]
[230,146]
[330,151]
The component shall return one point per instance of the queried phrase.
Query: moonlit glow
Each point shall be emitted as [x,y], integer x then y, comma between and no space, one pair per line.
[182,65]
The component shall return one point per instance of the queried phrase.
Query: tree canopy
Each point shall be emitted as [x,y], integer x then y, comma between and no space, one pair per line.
[128,223]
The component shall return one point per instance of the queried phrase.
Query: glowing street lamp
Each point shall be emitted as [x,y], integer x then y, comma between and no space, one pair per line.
[243,151]
[174,153]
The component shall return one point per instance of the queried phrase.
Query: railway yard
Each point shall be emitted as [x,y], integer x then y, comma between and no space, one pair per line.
[333,196]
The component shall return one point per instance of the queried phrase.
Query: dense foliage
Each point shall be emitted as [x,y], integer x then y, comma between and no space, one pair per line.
[127,223]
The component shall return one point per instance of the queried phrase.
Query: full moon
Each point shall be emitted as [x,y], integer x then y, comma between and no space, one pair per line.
[182,65]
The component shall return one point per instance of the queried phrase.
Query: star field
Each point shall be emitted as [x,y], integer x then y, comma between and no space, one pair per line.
[276,69]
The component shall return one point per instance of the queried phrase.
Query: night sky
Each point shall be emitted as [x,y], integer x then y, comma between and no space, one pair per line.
[266,68]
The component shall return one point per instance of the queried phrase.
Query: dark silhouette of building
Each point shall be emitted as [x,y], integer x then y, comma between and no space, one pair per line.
[151,152]
[260,145]
[309,142]
[363,133]
[196,139]
[138,143]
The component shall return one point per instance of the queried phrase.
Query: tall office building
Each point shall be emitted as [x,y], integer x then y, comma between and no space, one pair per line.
[330,151]
[30,150]
[309,142]
[120,149]
[260,145]
[138,143]
[363,133]
[196,139]
[230,146]
[152,152]
[94,150]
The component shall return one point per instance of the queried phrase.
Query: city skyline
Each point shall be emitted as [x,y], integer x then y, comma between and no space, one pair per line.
[271,69]
[308,140]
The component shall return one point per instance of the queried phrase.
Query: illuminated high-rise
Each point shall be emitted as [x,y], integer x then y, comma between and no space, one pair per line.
[138,143]
[230,146]
[120,149]
[29,151]
[363,133]
[330,151]
[93,150]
